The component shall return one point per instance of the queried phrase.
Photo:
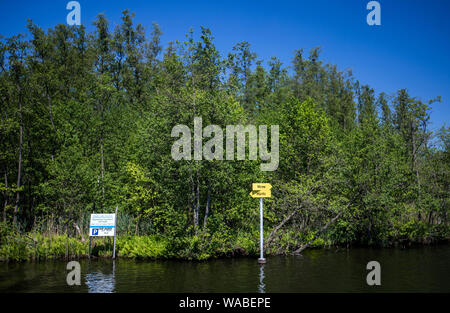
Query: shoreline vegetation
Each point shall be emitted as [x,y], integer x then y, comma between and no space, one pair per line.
[32,246]
[86,115]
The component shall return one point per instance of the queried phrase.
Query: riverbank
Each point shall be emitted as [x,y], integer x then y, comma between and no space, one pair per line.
[17,247]
[36,247]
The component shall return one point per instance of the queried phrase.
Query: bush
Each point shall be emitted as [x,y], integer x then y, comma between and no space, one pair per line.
[142,247]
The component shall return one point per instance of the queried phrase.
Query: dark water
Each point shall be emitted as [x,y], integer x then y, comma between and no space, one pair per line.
[424,269]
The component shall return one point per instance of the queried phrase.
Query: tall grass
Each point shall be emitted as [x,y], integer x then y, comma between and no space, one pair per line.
[49,242]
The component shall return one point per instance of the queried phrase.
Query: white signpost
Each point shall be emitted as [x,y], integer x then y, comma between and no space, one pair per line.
[261,190]
[103,225]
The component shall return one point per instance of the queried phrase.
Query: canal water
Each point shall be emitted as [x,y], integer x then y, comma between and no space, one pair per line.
[417,269]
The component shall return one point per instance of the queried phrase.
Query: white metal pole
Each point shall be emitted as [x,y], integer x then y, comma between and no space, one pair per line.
[261,247]
[115,233]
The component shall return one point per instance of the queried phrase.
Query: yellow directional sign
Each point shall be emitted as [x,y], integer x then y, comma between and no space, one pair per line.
[260,194]
[261,190]
[261,186]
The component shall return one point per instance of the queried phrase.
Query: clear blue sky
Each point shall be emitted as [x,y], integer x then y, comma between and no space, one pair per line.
[411,48]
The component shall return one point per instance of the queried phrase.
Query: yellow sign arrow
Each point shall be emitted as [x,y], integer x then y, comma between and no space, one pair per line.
[261,186]
[261,190]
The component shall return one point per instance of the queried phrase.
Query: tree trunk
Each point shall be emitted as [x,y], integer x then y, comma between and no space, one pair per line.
[53,124]
[5,193]
[136,231]
[276,229]
[67,241]
[19,170]
[197,205]
[298,251]
[5,170]
[414,155]
[191,179]
[79,231]
[102,170]
[208,200]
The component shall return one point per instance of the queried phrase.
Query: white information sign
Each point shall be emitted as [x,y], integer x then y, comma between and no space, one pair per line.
[102,225]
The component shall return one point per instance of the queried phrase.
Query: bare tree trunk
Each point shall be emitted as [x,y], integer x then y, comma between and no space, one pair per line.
[191,179]
[197,205]
[19,170]
[79,231]
[276,229]
[208,200]
[197,196]
[298,251]
[67,241]
[136,231]
[102,170]
[415,168]
[49,100]
[5,169]
[5,193]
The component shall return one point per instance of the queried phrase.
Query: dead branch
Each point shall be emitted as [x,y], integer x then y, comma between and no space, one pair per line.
[79,231]
[298,251]
[276,229]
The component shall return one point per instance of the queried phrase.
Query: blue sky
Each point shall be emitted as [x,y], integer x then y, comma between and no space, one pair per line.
[410,49]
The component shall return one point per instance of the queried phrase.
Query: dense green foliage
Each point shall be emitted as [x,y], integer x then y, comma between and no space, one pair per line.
[86,122]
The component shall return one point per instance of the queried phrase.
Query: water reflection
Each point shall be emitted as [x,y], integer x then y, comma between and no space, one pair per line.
[423,269]
[261,286]
[99,282]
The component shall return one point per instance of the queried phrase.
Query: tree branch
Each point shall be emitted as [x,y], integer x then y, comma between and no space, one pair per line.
[298,251]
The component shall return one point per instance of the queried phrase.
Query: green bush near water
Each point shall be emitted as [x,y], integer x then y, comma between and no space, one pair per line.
[16,246]
[147,247]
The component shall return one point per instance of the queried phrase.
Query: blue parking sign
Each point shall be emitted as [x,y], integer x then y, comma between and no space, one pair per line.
[94,231]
